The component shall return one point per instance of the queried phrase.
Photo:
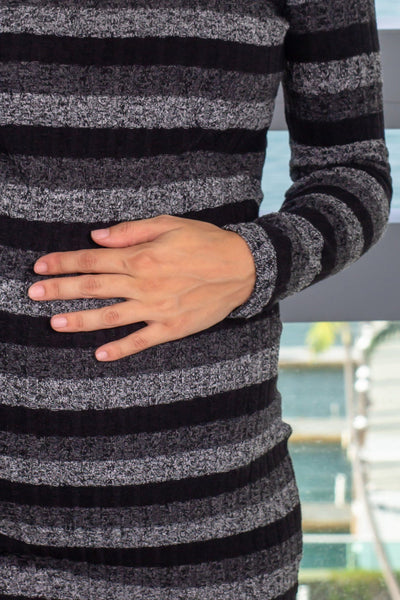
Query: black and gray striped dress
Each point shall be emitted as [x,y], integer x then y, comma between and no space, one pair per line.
[166,475]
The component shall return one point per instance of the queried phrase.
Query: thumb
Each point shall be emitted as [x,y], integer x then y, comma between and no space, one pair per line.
[128,233]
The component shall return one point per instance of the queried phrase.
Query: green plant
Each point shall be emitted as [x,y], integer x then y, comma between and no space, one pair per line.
[391,330]
[350,585]
[322,335]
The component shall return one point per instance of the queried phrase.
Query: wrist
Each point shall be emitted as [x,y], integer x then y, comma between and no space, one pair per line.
[245,267]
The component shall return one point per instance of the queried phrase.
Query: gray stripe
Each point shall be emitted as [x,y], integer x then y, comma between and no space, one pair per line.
[140,445]
[295,2]
[193,463]
[111,173]
[137,80]
[157,514]
[41,576]
[334,76]
[233,521]
[47,19]
[15,299]
[132,111]
[316,16]
[325,156]
[161,387]
[245,7]
[124,204]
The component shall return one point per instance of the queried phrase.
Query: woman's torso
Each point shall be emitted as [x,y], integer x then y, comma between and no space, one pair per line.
[114,111]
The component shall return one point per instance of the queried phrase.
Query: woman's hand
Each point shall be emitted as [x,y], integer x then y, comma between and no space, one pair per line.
[178,275]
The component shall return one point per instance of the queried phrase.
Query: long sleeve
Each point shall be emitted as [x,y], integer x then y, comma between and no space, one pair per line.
[338,204]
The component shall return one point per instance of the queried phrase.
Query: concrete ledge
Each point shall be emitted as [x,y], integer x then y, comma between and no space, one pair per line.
[325,516]
[309,429]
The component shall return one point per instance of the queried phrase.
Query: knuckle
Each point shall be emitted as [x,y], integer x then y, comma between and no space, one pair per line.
[89,285]
[54,288]
[125,227]
[150,284]
[164,218]
[165,305]
[55,260]
[86,260]
[144,260]
[110,316]
[177,324]
[139,342]
[78,321]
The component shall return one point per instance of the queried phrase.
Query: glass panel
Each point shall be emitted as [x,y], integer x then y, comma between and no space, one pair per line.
[276,180]
[340,387]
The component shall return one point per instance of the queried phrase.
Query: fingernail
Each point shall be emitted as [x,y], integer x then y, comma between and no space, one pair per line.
[102,354]
[36,291]
[100,234]
[41,267]
[59,321]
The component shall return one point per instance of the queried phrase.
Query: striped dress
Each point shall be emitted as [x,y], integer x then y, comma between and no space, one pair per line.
[165,475]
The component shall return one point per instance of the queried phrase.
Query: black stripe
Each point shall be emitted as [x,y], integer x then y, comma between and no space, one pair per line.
[81,142]
[81,364]
[231,546]
[55,236]
[169,50]
[353,202]
[336,44]
[289,595]
[283,249]
[37,332]
[329,250]
[139,419]
[172,80]
[176,490]
[335,133]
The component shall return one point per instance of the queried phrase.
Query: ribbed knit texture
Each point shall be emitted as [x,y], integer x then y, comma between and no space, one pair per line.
[166,475]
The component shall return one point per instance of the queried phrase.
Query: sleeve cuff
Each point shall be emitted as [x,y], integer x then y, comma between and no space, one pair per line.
[266,269]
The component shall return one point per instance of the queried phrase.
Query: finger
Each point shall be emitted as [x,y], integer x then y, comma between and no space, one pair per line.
[115,315]
[93,260]
[83,286]
[129,233]
[149,336]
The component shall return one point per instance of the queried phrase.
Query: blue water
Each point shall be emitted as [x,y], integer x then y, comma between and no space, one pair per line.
[312,392]
[316,465]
